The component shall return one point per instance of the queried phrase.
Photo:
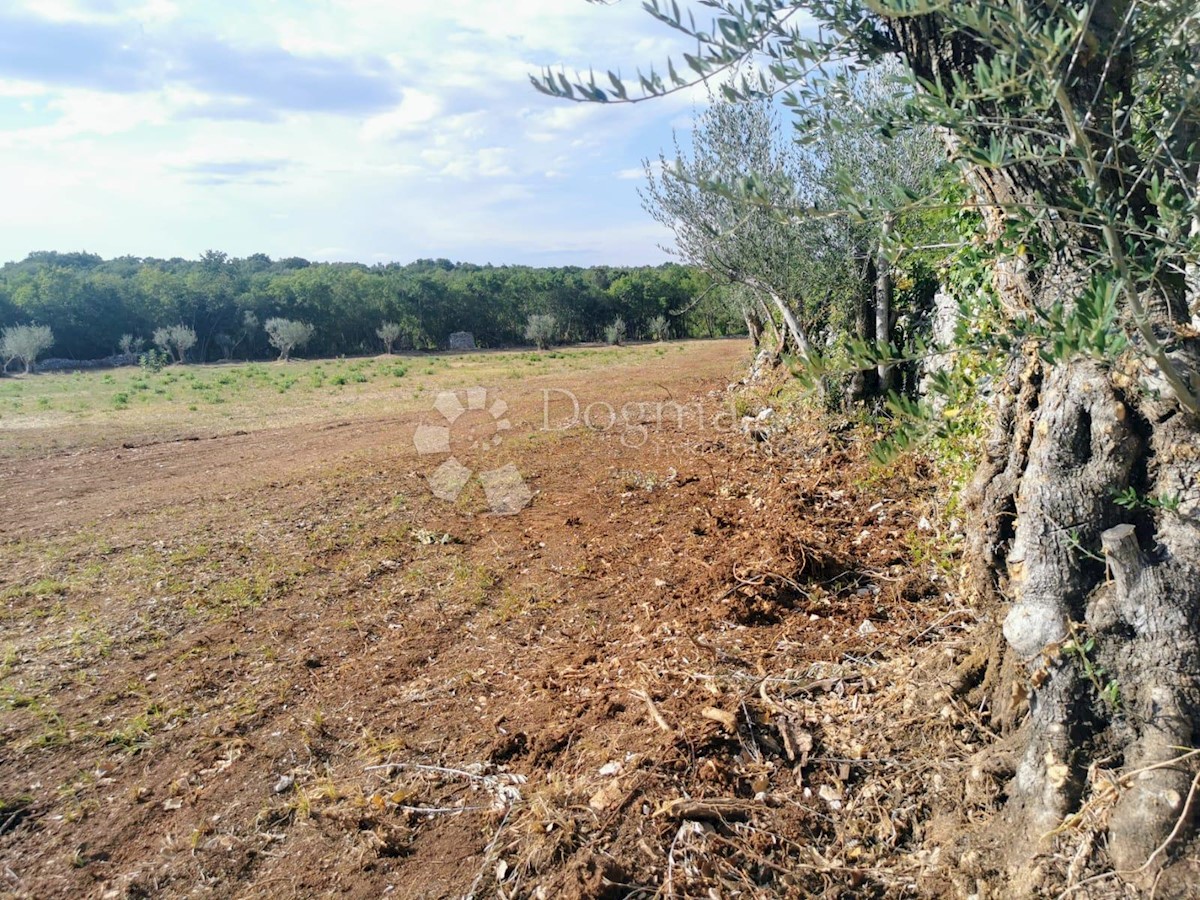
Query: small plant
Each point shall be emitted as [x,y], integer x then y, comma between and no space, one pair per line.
[1081,647]
[614,333]
[1130,499]
[121,400]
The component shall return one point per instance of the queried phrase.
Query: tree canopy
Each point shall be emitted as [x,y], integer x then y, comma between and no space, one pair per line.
[92,303]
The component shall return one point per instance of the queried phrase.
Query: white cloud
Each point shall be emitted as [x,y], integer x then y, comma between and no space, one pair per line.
[463,156]
[416,110]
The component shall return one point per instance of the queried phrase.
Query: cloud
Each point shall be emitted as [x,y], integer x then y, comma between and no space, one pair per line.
[238,80]
[234,171]
[276,79]
[75,54]
[161,128]
[638,173]
[416,111]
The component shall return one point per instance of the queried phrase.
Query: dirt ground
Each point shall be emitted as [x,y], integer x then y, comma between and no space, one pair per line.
[271,663]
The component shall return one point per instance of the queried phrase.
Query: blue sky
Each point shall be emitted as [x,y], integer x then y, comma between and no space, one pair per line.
[366,130]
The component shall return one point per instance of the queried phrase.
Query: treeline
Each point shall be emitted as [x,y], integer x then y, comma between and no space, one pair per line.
[90,303]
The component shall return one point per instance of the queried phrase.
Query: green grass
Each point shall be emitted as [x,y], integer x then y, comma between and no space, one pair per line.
[109,407]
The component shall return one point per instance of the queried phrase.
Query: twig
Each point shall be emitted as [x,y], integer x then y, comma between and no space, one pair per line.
[487,855]
[669,886]
[1179,823]
[654,713]
[440,770]
[1183,817]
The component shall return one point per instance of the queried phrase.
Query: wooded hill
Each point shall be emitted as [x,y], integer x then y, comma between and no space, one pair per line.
[90,302]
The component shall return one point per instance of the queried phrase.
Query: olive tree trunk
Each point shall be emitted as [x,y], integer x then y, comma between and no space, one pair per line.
[1098,661]
[1071,562]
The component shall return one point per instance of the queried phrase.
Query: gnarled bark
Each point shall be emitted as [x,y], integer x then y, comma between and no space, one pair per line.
[1050,542]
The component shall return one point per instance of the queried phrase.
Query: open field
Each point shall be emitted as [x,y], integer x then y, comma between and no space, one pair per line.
[246,652]
[62,411]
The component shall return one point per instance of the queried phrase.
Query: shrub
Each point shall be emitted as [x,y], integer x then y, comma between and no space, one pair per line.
[153,360]
[614,333]
[659,328]
[542,330]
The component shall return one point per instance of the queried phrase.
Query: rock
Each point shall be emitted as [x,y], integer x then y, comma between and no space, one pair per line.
[284,784]
[462,340]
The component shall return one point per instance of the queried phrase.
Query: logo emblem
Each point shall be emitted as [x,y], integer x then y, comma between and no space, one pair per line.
[505,489]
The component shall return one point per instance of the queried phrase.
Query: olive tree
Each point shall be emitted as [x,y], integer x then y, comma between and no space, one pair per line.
[1076,127]
[286,335]
[542,329]
[26,343]
[659,328]
[389,333]
[176,340]
[131,345]
[722,202]
[614,331]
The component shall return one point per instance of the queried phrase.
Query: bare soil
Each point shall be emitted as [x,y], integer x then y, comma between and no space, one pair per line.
[700,663]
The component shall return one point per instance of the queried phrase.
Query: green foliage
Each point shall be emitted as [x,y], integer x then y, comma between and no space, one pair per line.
[92,303]
[541,329]
[1081,648]
[1077,124]
[658,328]
[1129,498]
[25,343]
[614,332]
[286,335]
[153,360]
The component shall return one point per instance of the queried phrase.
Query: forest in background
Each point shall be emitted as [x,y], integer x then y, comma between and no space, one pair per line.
[90,303]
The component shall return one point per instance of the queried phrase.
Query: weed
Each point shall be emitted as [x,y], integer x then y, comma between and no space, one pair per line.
[1081,647]
[1130,499]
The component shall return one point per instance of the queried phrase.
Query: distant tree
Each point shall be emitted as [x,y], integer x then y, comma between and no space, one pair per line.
[389,333]
[659,328]
[542,329]
[26,343]
[131,344]
[286,335]
[176,340]
[614,332]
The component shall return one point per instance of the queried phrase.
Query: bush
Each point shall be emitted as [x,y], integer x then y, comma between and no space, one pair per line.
[153,360]
[542,330]
[659,328]
[615,332]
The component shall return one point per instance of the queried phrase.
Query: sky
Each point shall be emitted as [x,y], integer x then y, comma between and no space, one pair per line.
[356,130]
